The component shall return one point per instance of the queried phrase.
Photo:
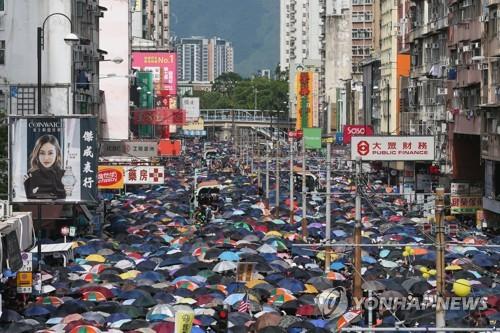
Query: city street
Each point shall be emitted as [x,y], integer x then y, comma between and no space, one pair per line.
[152,260]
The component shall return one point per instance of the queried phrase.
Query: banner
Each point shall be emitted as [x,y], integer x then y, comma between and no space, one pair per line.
[183,321]
[110,177]
[144,175]
[162,65]
[312,138]
[392,148]
[159,116]
[53,159]
[168,147]
[351,130]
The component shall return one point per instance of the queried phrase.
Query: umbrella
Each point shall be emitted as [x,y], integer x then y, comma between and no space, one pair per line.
[224,266]
[160,312]
[373,285]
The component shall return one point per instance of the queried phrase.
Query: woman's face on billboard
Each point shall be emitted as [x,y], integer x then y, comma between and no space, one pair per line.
[47,155]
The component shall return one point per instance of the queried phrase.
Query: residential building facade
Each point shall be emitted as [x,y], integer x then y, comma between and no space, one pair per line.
[70,74]
[202,59]
[151,22]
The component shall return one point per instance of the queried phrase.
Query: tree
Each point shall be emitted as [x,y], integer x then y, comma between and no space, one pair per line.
[226,83]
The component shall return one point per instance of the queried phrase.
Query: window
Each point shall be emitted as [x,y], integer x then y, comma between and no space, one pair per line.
[2,52]
[2,5]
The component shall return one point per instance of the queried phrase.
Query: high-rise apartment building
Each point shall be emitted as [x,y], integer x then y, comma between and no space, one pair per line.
[302,44]
[151,22]
[202,59]
[365,31]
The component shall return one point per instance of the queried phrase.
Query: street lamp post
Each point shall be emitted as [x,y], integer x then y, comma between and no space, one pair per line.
[70,39]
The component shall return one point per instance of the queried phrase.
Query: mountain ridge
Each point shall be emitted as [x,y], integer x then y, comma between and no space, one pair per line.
[252,26]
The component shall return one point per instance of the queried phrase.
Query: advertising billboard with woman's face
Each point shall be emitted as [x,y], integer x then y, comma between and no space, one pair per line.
[53,159]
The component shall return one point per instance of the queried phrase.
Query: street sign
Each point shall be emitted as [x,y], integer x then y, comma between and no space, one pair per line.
[72,231]
[27,258]
[312,138]
[328,140]
[392,148]
[24,282]
[465,204]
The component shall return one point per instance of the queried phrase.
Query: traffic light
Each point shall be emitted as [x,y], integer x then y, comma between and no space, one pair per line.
[221,317]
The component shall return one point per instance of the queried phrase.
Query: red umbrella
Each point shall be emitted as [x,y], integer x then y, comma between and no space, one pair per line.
[308,310]
[261,227]
[103,290]
[204,299]
[164,327]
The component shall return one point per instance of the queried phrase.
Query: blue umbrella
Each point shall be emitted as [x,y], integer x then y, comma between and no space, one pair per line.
[36,310]
[151,275]
[483,260]
[197,329]
[114,317]
[234,298]
[229,256]
[368,259]
[337,266]
[293,285]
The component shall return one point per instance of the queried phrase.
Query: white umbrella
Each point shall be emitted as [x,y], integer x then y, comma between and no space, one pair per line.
[224,266]
[266,248]
[388,263]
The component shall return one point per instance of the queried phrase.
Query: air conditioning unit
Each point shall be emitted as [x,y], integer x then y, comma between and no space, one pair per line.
[477,45]
[484,66]
[466,48]
[484,18]
[435,45]
[4,209]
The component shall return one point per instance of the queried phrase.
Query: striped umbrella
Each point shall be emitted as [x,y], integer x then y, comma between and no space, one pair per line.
[93,296]
[85,329]
[49,300]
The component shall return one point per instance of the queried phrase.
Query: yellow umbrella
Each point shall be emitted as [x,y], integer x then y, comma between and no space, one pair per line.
[95,258]
[273,233]
[310,289]
[252,283]
[321,255]
[129,275]
[453,268]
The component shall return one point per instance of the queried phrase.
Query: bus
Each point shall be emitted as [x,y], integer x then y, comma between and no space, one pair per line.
[312,181]
[207,193]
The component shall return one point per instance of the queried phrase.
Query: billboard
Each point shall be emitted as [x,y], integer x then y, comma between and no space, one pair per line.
[461,204]
[159,116]
[144,175]
[110,177]
[163,66]
[192,107]
[392,148]
[53,159]
[352,130]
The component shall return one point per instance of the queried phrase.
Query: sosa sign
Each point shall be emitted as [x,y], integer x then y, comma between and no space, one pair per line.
[356,130]
[392,148]
[110,177]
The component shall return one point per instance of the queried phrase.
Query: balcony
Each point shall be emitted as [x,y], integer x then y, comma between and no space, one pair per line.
[465,30]
[467,77]
[493,2]
[490,147]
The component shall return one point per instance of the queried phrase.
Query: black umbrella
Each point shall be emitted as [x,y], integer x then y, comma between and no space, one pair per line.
[70,307]
[272,329]
[10,316]
[134,325]
[420,288]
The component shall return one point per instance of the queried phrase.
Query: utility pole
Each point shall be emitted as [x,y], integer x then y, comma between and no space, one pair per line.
[291,180]
[267,170]
[304,194]
[357,237]
[277,204]
[328,213]
[440,246]
[258,162]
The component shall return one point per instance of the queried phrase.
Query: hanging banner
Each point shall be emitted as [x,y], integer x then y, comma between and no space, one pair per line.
[159,116]
[192,107]
[312,138]
[110,177]
[183,321]
[392,148]
[144,175]
[53,159]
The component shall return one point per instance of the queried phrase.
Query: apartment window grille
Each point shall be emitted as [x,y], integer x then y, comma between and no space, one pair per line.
[2,52]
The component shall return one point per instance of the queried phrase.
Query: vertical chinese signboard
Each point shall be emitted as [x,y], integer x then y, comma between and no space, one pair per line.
[305,105]
[53,158]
